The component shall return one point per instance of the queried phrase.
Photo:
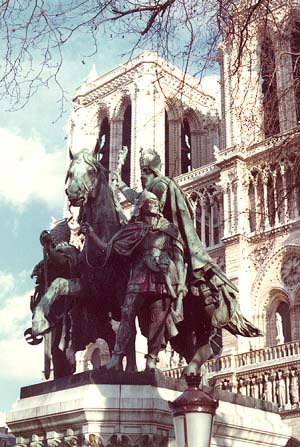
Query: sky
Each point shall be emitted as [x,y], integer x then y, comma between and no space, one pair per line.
[32,173]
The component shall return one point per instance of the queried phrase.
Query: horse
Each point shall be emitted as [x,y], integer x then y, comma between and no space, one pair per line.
[98,291]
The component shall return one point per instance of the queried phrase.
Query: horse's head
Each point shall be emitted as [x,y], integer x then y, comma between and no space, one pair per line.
[83,175]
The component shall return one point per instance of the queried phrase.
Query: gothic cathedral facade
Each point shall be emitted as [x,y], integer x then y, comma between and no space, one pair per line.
[241,172]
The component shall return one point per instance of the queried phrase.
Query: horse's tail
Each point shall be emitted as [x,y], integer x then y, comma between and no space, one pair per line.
[233,319]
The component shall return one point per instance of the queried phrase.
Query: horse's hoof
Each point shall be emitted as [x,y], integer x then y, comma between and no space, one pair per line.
[131,369]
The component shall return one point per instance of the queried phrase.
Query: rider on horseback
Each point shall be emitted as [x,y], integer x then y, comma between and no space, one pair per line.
[211,303]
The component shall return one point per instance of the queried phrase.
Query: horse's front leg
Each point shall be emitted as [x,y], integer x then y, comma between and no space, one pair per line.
[59,286]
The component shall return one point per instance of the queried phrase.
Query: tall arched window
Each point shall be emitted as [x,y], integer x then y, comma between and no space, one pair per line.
[284,311]
[126,141]
[297,191]
[252,207]
[186,146]
[167,146]
[208,215]
[269,89]
[278,322]
[295,50]
[103,143]
[295,318]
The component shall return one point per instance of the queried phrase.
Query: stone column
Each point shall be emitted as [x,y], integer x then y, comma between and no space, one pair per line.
[234,189]
[203,145]
[116,133]
[284,193]
[174,147]
[265,178]
[286,376]
[242,200]
[202,201]
[148,120]
[227,109]
[274,180]
[256,205]
[211,220]
[220,199]
[228,215]
[196,149]
[294,207]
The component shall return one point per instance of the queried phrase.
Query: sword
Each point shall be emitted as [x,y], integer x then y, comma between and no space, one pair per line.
[48,335]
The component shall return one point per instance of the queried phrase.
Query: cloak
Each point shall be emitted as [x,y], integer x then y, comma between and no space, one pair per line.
[178,210]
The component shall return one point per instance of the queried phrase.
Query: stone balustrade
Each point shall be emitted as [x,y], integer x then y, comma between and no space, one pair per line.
[272,374]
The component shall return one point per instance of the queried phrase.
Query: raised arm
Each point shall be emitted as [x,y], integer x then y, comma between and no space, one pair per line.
[129,193]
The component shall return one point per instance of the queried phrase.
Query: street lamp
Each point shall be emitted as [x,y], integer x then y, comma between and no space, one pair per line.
[193,413]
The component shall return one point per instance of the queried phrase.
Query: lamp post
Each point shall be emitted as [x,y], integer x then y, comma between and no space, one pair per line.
[193,413]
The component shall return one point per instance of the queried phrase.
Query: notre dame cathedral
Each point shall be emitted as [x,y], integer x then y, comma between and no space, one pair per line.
[241,170]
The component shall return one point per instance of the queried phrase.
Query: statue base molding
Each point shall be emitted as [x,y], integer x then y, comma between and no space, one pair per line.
[101,409]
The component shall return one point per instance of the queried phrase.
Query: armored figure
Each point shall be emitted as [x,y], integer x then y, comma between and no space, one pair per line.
[211,302]
[156,280]
[53,274]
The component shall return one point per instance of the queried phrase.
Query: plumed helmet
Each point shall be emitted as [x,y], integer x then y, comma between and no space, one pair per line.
[150,159]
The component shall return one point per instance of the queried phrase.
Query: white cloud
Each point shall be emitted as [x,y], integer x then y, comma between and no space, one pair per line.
[2,419]
[28,172]
[211,85]
[18,360]
[6,283]
[15,313]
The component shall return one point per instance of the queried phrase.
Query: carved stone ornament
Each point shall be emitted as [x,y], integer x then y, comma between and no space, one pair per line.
[290,271]
[259,255]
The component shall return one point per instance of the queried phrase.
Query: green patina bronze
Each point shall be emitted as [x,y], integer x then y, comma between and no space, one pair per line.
[154,266]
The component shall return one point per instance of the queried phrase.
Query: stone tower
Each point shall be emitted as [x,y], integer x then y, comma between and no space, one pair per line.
[145,103]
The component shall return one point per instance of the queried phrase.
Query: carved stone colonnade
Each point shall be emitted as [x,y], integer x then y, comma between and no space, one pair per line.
[271,374]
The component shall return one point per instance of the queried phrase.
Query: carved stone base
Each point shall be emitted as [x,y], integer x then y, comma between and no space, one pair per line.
[100,409]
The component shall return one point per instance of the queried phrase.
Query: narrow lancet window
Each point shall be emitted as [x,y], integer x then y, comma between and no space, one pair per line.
[126,141]
[295,50]
[269,89]
[103,143]
[186,161]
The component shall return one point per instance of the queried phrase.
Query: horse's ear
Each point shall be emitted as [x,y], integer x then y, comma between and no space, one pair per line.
[71,155]
[67,176]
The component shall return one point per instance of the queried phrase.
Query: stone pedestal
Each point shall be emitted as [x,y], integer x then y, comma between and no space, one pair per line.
[98,409]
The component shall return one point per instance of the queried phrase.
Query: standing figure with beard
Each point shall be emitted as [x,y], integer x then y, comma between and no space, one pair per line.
[211,303]
[156,284]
